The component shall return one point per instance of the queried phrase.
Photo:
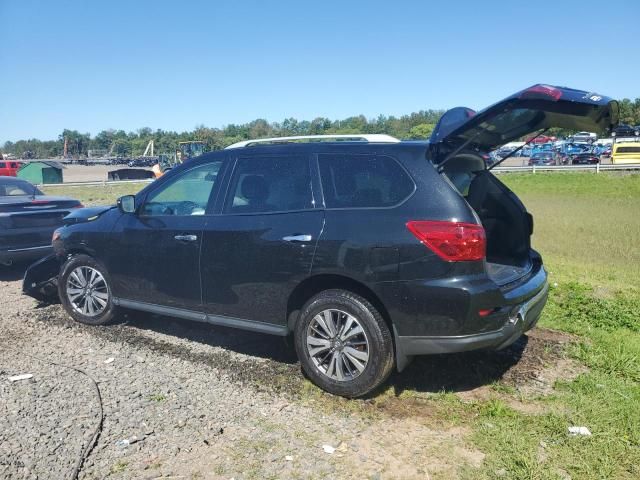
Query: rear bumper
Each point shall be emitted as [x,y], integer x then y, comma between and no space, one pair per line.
[27,253]
[517,311]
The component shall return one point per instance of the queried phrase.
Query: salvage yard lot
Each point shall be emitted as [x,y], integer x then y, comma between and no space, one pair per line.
[217,403]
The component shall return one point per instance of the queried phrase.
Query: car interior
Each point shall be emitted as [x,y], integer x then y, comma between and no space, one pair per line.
[507,224]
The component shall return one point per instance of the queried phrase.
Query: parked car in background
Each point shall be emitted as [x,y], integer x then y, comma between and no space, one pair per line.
[540,139]
[367,250]
[623,130]
[28,218]
[563,158]
[602,150]
[585,159]
[587,137]
[544,158]
[526,151]
[625,152]
[9,168]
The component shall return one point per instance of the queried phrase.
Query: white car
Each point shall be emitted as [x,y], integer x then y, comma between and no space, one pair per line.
[585,137]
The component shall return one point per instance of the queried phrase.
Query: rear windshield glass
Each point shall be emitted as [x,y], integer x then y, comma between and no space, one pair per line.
[363,181]
[19,188]
[628,150]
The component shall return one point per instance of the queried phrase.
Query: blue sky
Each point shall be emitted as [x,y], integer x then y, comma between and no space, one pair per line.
[91,66]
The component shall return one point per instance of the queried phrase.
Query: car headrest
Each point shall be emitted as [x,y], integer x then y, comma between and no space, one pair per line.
[254,188]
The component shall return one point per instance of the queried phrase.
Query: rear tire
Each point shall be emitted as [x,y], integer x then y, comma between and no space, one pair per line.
[84,287]
[343,343]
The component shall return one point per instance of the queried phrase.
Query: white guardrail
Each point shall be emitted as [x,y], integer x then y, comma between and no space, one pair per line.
[103,183]
[568,168]
[526,169]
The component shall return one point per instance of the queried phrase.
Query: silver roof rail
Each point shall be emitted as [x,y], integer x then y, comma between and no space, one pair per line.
[371,138]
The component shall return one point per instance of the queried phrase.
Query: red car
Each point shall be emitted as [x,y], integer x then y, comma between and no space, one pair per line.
[541,139]
[9,168]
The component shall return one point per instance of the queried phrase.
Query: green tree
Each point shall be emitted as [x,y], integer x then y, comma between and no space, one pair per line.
[421,131]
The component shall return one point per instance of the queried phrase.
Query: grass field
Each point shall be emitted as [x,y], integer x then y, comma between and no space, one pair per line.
[587,228]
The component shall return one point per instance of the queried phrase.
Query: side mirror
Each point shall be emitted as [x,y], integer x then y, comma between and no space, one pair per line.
[127,204]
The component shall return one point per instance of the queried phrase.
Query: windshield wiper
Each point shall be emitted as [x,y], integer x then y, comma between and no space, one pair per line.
[541,132]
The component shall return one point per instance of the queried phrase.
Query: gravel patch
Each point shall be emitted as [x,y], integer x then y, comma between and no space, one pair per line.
[185,400]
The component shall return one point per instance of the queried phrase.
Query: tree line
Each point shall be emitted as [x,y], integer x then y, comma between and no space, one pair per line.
[417,125]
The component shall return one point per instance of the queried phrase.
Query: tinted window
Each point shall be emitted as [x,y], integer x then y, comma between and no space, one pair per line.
[3,165]
[358,181]
[270,184]
[187,194]
[628,150]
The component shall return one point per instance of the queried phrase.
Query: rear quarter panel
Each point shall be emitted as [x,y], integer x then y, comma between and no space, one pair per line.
[374,247]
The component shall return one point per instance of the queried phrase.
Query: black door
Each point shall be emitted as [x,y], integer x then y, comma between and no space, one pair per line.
[262,244]
[157,260]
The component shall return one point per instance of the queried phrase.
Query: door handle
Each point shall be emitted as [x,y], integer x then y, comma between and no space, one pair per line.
[186,238]
[297,238]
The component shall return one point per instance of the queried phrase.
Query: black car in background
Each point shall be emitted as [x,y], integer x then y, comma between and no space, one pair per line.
[366,249]
[585,159]
[28,218]
[544,159]
[623,130]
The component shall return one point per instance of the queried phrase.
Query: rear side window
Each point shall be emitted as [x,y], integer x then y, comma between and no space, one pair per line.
[363,181]
[270,184]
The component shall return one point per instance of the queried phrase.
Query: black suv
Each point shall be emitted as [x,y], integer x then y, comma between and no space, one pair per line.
[367,249]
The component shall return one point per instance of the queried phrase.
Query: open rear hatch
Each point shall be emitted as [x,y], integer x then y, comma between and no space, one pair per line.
[462,138]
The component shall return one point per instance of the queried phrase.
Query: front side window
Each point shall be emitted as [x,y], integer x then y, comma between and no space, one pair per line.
[270,184]
[363,181]
[187,194]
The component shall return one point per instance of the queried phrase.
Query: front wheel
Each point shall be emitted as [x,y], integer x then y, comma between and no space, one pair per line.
[85,291]
[343,343]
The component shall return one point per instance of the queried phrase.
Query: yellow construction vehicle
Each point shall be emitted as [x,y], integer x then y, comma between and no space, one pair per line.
[184,152]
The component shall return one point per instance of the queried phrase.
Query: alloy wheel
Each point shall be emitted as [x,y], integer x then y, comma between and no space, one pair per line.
[337,345]
[87,291]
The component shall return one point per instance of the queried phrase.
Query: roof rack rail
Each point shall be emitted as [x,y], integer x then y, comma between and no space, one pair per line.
[371,138]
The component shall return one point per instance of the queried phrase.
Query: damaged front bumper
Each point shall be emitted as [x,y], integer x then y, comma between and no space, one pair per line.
[41,279]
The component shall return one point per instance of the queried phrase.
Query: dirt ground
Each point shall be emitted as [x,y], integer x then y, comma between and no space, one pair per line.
[176,399]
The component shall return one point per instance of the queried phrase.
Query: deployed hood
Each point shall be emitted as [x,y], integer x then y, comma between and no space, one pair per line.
[528,111]
[88,214]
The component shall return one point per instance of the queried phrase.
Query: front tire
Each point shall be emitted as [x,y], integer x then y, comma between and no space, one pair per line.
[343,343]
[85,291]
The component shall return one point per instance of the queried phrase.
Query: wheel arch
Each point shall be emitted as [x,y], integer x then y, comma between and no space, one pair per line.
[79,249]
[313,285]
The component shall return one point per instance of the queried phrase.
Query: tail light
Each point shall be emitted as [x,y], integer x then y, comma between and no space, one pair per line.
[79,205]
[541,92]
[451,241]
